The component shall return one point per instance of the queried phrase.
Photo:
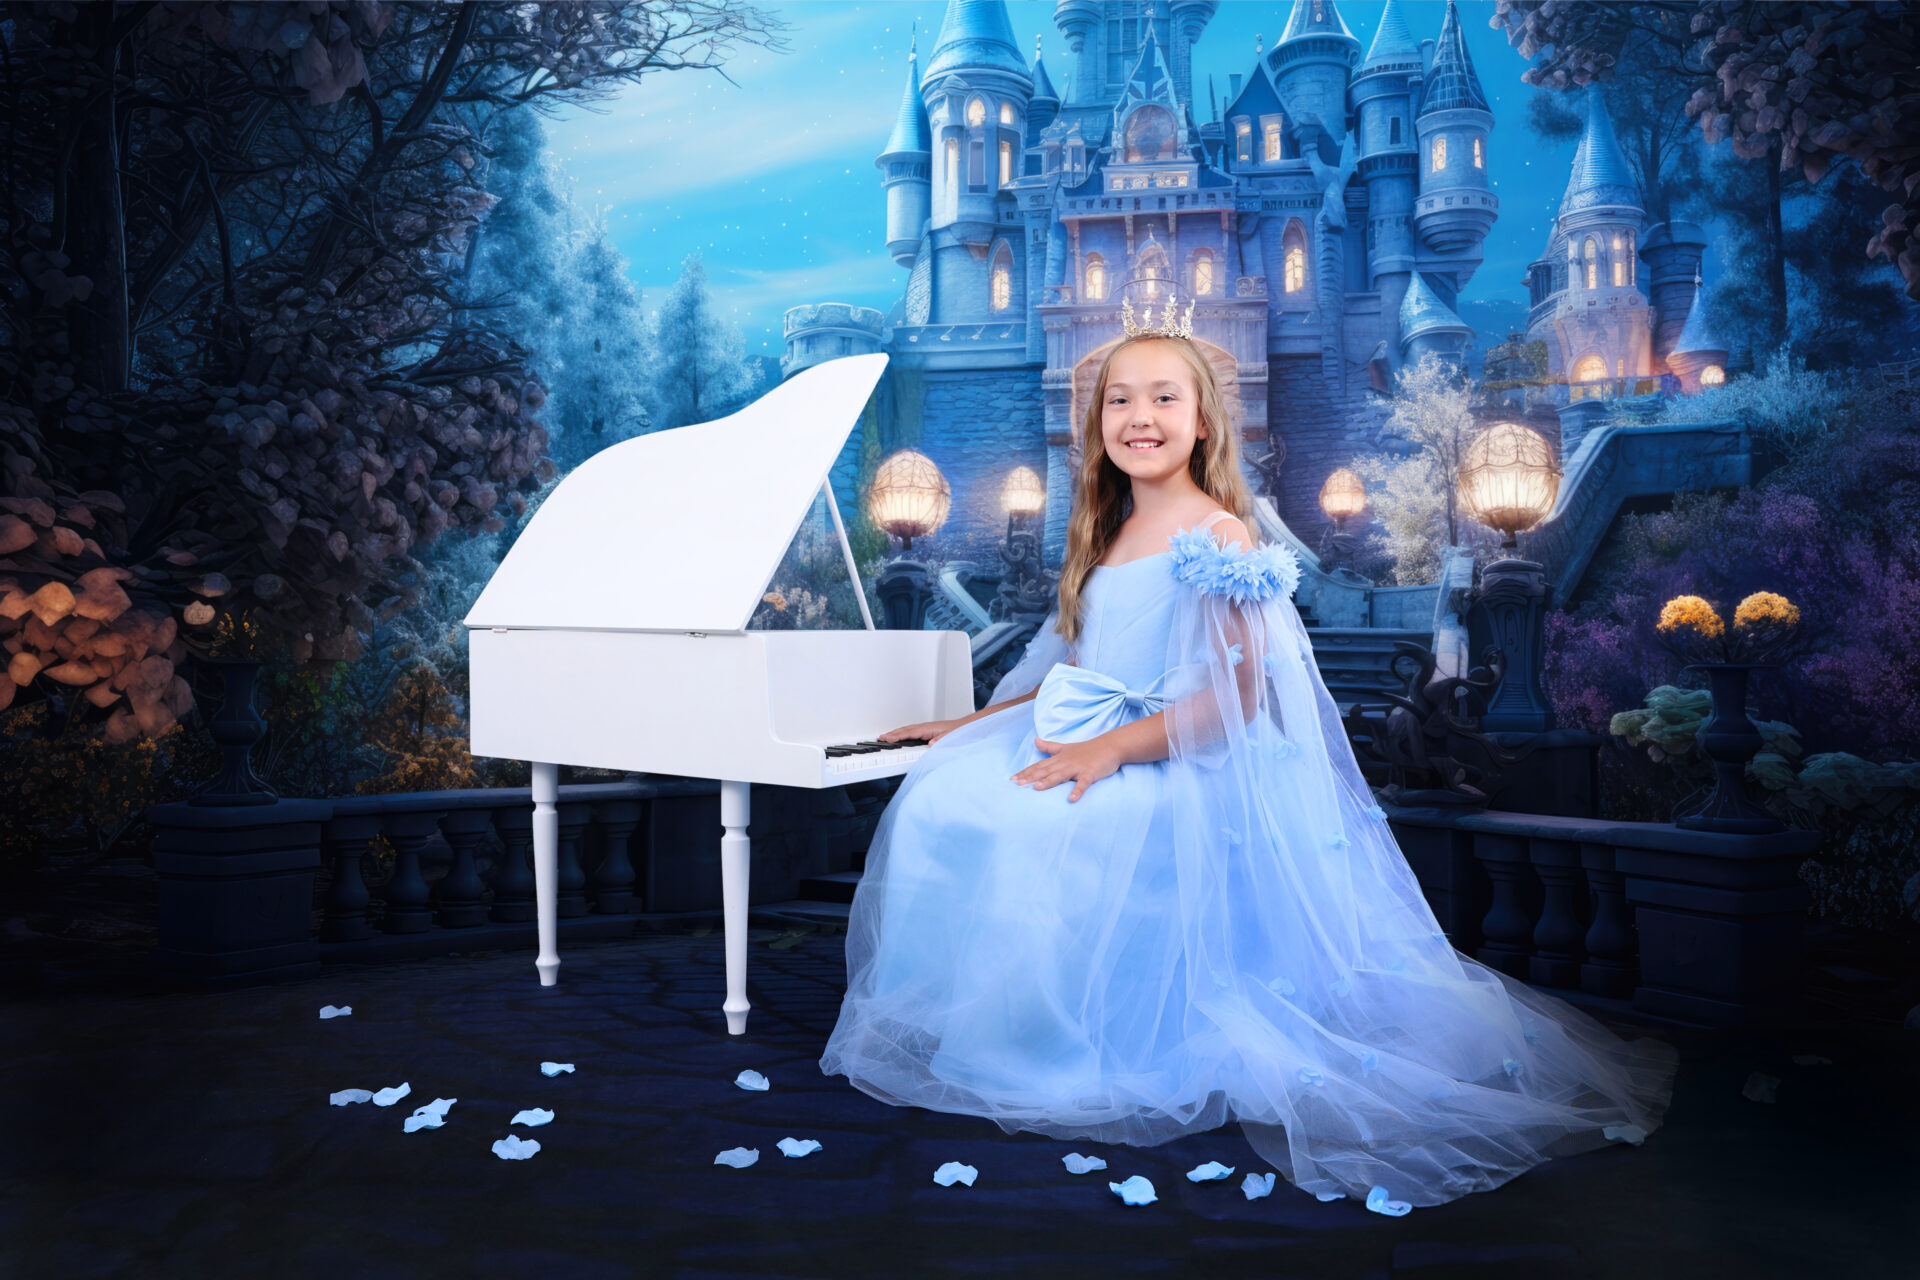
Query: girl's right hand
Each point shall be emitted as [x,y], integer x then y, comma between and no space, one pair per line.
[931,730]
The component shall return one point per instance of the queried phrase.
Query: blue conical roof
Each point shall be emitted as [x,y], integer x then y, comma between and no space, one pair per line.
[975,34]
[1452,82]
[1042,83]
[1421,310]
[911,132]
[1697,334]
[1393,42]
[1601,175]
[1315,18]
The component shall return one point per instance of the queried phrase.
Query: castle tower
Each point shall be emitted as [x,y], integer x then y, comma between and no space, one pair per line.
[1310,65]
[1456,206]
[1187,19]
[1080,24]
[1044,107]
[1383,95]
[1428,324]
[1602,320]
[1699,356]
[905,162]
[1672,252]
[977,90]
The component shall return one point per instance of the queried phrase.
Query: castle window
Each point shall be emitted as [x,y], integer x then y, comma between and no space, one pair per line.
[1633,261]
[1151,135]
[1590,369]
[1593,269]
[1006,113]
[1273,141]
[1000,287]
[1619,262]
[1479,156]
[1243,135]
[1439,153]
[1296,268]
[1393,130]
[1620,367]
[976,112]
[953,163]
[1096,278]
[976,164]
[1203,273]
[1712,376]
[1006,163]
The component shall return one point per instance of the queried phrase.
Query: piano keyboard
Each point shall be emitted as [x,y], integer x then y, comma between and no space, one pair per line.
[883,758]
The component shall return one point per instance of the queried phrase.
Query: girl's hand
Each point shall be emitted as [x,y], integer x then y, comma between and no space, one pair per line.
[931,730]
[1083,763]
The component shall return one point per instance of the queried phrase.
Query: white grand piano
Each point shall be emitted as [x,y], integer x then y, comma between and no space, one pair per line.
[614,634]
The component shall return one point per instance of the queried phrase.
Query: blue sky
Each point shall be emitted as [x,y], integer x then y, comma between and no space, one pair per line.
[772,179]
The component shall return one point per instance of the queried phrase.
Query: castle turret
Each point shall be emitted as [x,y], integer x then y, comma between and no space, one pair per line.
[1187,19]
[1044,106]
[1672,252]
[1699,357]
[1603,321]
[977,90]
[1456,206]
[905,163]
[1310,65]
[1428,324]
[1079,23]
[1383,96]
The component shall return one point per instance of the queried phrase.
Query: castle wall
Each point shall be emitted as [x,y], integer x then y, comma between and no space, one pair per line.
[979,425]
[1325,427]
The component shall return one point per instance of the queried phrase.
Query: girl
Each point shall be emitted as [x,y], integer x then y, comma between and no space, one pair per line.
[1146,890]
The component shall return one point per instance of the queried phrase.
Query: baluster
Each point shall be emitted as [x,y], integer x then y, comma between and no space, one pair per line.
[574,816]
[457,895]
[613,878]
[1508,927]
[1557,936]
[407,892]
[344,842]
[513,873]
[1610,969]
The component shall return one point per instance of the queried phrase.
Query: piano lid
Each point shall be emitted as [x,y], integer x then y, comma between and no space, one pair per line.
[680,530]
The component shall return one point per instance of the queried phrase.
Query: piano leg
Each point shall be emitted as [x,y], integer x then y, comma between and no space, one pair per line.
[546,868]
[734,851]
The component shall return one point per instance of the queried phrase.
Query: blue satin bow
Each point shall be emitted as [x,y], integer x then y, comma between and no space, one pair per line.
[1074,704]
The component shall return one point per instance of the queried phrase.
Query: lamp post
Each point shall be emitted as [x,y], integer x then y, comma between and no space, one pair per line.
[1342,497]
[1508,481]
[909,499]
[1026,589]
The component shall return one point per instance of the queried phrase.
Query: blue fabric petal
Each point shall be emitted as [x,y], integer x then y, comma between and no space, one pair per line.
[1238,573]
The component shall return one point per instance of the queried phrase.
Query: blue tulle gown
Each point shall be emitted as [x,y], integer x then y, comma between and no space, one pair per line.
[1230,933]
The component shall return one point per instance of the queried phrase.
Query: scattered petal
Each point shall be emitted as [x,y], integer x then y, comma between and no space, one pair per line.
[1811,1060]
[1625,1133]
[1761,1087]
[532,1116]
[429,1115]
[333,1011]
[752,1080]
[1077,1163]
[953,1171]
[514,1147]
[799,1146]
[1378,1202]
[1255,1185]
[387,1097]
[1309,1076]
[554,1068]
[345,1096]
[1135,1190]
[1211,1171]
[738,1157]
[1328,1197]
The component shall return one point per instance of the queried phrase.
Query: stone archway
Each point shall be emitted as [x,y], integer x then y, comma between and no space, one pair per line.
[1225,368]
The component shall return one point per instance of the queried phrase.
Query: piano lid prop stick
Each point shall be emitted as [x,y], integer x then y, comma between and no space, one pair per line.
[846,549]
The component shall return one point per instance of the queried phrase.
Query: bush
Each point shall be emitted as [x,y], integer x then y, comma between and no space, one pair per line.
[1787,406]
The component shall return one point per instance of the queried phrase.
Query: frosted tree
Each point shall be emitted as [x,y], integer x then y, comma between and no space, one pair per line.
[700,368]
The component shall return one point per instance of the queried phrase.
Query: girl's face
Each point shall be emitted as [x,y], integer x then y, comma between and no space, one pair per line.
[1151,416]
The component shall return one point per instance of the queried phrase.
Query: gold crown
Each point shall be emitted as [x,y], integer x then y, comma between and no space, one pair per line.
[1167,328]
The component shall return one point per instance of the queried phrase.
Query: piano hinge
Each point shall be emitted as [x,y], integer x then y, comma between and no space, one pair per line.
[499,631]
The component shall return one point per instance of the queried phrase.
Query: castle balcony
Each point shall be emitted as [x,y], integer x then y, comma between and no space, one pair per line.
[821,331]
[1449,221]
[961,346]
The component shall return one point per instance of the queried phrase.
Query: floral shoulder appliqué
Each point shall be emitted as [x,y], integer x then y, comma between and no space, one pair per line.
[1235,572]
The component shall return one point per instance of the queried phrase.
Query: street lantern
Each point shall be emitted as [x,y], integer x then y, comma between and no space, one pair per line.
[1023,494]
[1509,479]
[909,497]
[1343,495]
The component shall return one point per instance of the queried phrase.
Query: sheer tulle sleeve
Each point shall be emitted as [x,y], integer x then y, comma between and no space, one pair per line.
[1045,649]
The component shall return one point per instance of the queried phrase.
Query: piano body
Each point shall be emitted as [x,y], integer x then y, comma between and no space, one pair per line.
[613,634]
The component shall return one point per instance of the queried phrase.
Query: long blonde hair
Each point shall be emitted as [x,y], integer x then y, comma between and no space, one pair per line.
[1104,490]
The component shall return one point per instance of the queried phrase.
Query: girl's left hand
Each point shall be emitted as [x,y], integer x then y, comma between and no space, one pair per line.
[1083,763]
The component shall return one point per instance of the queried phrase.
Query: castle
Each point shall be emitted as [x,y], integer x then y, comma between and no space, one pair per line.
[1323,221]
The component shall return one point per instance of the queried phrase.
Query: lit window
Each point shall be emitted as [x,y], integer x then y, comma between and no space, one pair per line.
[1296,267]
[1439,154]
[1273,141]
[1479,156]
[1203,273]
[1006,113]
[976,112]
[1244,133]
[1593,267]
[1096,278]
[1620,367]
[1590,369]
[1006,163]
[1712,376]
[1002,284]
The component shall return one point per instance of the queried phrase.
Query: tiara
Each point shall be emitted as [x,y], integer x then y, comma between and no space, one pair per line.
[1167,328]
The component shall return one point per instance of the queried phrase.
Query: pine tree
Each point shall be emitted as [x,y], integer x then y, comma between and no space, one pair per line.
[700,369]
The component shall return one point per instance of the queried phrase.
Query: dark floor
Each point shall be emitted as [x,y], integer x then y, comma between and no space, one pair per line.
[190,1135]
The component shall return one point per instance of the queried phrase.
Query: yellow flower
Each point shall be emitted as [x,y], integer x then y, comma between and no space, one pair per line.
[775,599]
[1693,613]
[1764,608]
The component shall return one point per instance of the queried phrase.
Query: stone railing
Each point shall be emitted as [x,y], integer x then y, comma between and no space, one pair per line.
[1691,925]
[237,883]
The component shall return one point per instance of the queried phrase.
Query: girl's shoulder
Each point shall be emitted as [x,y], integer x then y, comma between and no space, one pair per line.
[1219,558]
